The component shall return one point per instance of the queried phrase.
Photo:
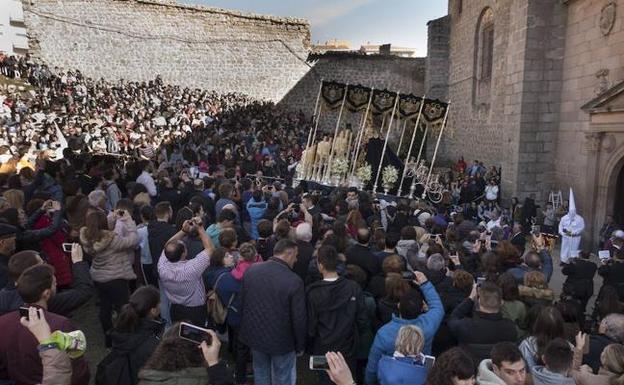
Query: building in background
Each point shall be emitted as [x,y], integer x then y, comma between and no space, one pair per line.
[537,87]
[13,38]
[373,49]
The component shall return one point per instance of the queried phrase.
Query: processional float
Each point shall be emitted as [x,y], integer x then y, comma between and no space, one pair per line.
[338,156]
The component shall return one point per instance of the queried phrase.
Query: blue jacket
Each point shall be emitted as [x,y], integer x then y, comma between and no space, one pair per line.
[547,268]
[384,340]
[401,371]
[256,212]
[229,294]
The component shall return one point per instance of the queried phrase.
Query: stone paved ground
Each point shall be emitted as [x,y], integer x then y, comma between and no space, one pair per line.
[87,320]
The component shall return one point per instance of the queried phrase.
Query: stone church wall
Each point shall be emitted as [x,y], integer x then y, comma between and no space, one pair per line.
[187,45]
[478,128]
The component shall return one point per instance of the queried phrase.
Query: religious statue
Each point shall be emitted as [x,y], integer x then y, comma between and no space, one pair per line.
[307,161]
[322,157]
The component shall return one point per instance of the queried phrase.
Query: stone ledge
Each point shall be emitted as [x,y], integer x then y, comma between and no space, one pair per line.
[204,8]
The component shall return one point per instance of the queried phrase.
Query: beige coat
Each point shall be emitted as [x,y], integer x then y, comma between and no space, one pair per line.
[582,377]
[110,254]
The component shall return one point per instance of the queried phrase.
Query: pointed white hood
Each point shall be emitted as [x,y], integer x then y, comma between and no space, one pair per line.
[572,205]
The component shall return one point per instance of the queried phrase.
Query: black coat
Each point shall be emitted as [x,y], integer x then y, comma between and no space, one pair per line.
[158,233]
[336,316]
[597,343]
[303,259]
[4,269]
[363,257]
[273,308]
[385,310]
[377,286]
[137,346]
[580,280]
[62,303]
[478,332]
[613,274]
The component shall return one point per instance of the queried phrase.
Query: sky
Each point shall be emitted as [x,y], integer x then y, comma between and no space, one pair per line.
[398,22]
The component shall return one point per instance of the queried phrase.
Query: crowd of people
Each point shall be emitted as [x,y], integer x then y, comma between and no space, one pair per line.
[174,208]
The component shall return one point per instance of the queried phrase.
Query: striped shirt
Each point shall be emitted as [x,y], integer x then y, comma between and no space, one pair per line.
[182,281]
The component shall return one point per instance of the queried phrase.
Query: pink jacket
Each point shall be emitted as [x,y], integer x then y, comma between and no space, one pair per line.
[242,267]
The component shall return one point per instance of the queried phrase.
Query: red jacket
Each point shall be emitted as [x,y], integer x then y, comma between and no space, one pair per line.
[52,248]
[19,358]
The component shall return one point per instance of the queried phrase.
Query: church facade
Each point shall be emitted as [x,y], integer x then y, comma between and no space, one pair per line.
[537,88]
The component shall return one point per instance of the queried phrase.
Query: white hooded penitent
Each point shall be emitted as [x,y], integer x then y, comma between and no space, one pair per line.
[570,228]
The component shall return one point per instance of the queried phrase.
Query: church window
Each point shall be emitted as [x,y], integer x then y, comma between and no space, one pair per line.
[484,51]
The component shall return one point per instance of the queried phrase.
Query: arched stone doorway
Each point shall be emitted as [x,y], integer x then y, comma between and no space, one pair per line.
[604,149]
[618,199]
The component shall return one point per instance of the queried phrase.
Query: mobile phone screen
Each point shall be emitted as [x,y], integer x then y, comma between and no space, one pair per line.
[480,281]
[67,247]
[24,312]
[318,363]
[194,334]
[429,361]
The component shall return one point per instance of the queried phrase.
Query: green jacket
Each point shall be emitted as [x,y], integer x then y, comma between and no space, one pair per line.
[215,375]
[188,376]
[517,312]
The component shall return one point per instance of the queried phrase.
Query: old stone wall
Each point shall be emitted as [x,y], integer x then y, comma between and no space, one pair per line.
[187,45]
[437,67]
[593,62]
[479,127]
[406,75]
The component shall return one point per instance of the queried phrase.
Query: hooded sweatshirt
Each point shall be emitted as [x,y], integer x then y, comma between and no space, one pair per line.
[543,376]
[486,376]
[403,246]
[336,316]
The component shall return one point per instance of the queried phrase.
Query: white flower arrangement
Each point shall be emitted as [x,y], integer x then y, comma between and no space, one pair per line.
[339,166]
[364,173]
[390,175]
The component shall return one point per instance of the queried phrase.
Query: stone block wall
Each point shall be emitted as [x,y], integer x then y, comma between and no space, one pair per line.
[193,46]
[437,68]
[477,129]
[541,94]
[406,75]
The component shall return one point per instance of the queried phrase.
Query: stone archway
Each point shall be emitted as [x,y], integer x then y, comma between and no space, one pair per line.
[604,145]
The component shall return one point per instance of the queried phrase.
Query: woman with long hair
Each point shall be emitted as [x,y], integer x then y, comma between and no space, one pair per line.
[137,330]
[547,326]
[111,270]
[453,367]
[180,361]
[513,308]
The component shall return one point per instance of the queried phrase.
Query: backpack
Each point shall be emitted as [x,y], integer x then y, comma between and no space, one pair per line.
[114,369]
[216,310]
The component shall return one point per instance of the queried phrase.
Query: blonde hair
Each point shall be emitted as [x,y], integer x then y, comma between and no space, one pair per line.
[410,340]
[142,199]
[15,198]
[614,362]
[535,279]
